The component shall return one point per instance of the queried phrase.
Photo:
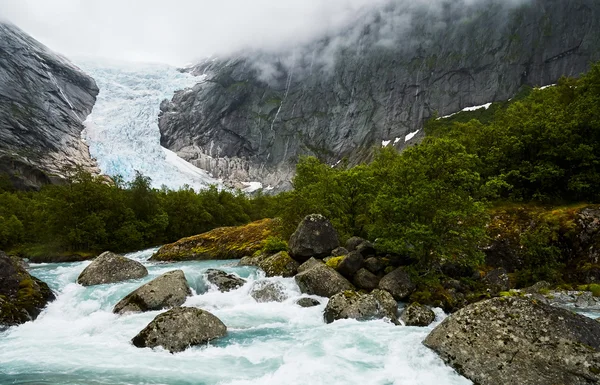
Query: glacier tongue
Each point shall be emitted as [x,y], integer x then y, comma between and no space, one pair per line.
[122,130]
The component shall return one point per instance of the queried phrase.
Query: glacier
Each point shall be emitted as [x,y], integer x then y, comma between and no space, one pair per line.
[122,131]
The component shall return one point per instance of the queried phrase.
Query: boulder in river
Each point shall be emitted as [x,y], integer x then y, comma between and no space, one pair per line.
[314,237]
[224,281]
[268,291]
[307,302]
[322,280]
[167,290]
[180,328]
[417,315]
[22,296]
[279,265]
[517,340]
[360,306]
[398,283]
[109,267]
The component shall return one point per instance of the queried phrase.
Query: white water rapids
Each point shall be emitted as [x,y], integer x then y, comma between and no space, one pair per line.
[78,340]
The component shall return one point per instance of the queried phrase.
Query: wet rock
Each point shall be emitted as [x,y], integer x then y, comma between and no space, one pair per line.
[268,291]
[364,279]
[180,328]
[314,237]
[353,243]
[22,296]
[502,339]
[279,265]
[322,280]
[398,283]
[110,268]
[307,302]
[339,251]
[375,265]
[224,281]
[168,290]
[417,315]
[497,280]
[362,307]
[350,264]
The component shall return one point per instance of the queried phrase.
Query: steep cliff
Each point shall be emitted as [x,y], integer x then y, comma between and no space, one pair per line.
[377,81]
[44,100]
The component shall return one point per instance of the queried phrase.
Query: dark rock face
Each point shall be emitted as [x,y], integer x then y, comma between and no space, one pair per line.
[339,251]
[503,339]
[314,237]
[374,265]
[353,243]
[322,280]
[309,264]
[267,291]
[417,315]
[22,296]
[398,283]
[497,280]
[180,328]
[110,268]
[343,95]
[362,307]
[364,279]
[224,281]
[350,264]
[44,100]
[280,264]
[168,290]
[307,302]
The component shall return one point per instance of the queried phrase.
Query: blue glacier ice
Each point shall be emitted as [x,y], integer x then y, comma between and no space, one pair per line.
[122,130]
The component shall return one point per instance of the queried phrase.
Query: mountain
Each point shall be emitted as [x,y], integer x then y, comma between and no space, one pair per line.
[372,84]
[44,100]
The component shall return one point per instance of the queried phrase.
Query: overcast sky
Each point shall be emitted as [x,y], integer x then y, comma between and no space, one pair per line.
[175,31]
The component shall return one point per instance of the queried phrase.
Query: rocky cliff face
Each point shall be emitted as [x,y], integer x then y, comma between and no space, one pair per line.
[344,95]
[44,100]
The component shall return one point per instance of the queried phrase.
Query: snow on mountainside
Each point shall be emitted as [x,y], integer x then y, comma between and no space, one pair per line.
[122,130]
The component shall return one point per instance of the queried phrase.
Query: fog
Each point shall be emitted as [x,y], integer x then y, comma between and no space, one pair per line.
[183,31]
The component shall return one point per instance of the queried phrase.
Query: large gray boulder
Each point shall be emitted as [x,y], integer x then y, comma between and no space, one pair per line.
[22,296]
[224,281]
[398,283]
[110,268]
[309,264]
[279,265]
[417,315]
[322,280]
[350,264]
[167,290]
[268,291]
[314,237]
[44,101]
[517,340]
[362,307]
[180,328]
[364,279]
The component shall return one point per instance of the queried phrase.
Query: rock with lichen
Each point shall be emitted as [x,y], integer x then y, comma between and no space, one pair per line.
[314,237]
[322,280]
[417,315]
[361,306]
[279,265]
[111,268]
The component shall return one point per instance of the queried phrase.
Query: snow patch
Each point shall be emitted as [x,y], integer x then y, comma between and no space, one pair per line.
[466,109]
[252,186]
[411,135]
[397,140]
[384,143]
[548,86]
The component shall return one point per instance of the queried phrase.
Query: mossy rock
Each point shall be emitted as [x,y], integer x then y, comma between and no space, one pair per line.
[279,265]
[221,243]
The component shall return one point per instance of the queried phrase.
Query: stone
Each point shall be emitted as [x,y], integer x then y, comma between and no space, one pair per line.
[417,315]
[364,279]
[307,302]
[45,99]
[375,265]
[350,264]
[353,243]
[268,291]
[109,267]
[322,280]
[503,339]
[22,296]
[537,287]
[179,329]
[360,306]
[252,260]
[168,290]
[366,249]
[339,251]
[279,265]
[234,242]
[497,280]
[224,281]
[314,237]
[309,264]
[398,283]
